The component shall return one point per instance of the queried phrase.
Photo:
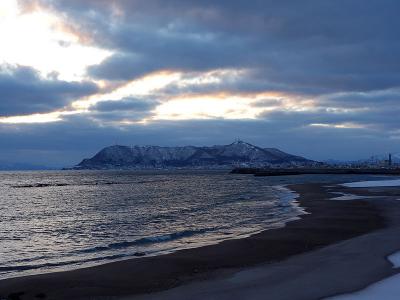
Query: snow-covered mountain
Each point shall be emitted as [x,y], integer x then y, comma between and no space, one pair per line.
[236,154]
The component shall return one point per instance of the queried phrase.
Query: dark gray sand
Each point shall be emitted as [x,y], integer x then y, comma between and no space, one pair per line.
[339,247]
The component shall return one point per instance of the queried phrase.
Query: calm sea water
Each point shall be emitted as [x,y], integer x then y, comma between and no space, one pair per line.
[60,220]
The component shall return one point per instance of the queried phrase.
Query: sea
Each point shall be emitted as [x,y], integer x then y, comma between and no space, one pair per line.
[62,220]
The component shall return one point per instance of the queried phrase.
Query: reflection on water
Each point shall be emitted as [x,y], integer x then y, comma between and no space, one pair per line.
[57,220]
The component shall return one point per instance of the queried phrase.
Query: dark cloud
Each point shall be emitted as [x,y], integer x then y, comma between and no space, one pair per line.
[125,104]
[126,109]
[267,103]
[158,51]
[382,99]
[242,83]
[316,45]
[23,91]
[380,119]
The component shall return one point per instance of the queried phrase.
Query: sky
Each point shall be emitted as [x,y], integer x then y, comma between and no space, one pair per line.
[317,78]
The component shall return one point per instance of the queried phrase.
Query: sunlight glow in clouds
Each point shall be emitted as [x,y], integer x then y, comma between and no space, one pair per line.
[147,85]
[224,106]
[346,125]
[181,106]
[150,86]
[35,118]
[36,39]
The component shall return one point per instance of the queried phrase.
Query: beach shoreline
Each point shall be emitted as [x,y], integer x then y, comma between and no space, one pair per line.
[328,223]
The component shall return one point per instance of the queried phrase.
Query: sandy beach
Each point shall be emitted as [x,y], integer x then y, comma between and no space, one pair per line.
[339,247]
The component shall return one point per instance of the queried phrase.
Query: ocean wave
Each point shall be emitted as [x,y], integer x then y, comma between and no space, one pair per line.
[27,260]
[147,240]
[284,193]
[36,185]
[96,183]
[113,246]
[55,184]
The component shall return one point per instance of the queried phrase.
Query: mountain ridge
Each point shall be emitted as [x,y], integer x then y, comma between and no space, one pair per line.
[144,157]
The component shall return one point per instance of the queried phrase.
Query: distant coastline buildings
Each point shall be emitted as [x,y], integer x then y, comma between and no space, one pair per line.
[390,161]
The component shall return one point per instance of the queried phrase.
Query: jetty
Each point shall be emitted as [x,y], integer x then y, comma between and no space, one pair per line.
[303,171]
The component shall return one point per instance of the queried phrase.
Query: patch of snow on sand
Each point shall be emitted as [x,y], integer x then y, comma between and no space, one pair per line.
[377,183]
[386,289]
[395,259]
[345,196]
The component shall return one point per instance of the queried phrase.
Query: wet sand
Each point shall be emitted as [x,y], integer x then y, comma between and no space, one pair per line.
[340,246]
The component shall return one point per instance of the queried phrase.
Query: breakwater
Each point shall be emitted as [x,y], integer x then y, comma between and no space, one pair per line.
[302,171]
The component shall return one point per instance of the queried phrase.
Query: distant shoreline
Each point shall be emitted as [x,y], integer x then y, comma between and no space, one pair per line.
[328,223]
[317,171]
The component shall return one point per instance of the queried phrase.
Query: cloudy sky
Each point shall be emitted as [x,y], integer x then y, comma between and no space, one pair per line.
[318,78]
